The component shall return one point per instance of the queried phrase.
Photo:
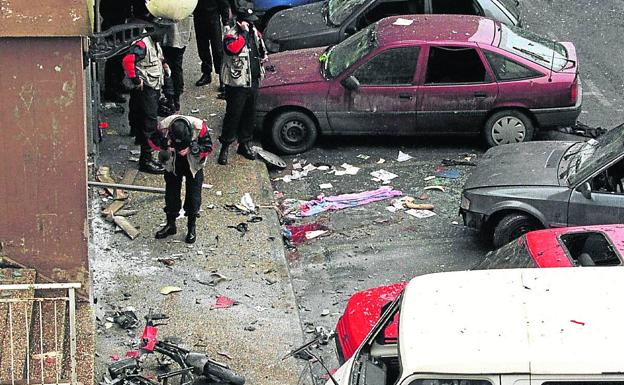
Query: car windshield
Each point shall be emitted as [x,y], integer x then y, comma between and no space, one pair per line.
[511,6]
[339,10]
[533,47]
[512,255]
[343,55]
[596,153]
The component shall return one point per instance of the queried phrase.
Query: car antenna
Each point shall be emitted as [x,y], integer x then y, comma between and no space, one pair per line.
[552,62]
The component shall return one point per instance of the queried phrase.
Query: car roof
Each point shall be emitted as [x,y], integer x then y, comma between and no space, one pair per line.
[436,28]
[535,321]
[547,249]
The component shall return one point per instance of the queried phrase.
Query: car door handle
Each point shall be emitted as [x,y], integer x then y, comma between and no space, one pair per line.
[480,94]
[405,96]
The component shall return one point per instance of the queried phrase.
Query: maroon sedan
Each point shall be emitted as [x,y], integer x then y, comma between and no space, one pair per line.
[601,245]
[421,75]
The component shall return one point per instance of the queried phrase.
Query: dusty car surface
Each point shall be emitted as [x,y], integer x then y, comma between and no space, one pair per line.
[330,22]
[492,327]
[521,187]
[421,75]
[601,245]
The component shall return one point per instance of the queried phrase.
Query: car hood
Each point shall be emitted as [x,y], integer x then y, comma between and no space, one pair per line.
[521,164]
[304,20]
[293,67]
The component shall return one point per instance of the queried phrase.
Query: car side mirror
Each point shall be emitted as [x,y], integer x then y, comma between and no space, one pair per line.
[350,30]
[585,190]
[351,83]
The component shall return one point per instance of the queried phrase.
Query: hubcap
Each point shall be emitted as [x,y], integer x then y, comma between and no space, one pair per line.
[508,129]
[294,132]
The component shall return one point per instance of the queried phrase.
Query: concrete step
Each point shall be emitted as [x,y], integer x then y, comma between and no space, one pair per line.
[15,321]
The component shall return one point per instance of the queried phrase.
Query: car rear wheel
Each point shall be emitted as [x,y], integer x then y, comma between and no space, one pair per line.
[293,132]
[508,126]
[513,226]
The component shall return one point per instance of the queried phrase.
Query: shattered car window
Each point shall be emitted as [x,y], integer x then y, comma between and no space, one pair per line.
[533,47]
[343,55]
[596,154]
[339,10]
[513,255]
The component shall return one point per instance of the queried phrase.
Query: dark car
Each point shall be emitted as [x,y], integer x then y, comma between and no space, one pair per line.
[332,21]
[522,187]
[421,75]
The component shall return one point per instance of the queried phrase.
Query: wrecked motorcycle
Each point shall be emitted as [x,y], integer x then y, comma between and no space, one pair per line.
[190,364]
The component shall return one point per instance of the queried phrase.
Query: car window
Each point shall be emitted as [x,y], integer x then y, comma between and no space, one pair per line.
[344,54]
[454,7]
[595,154]
[590,249]
[455,65]
[611,180]
[505,68]
[389,8]
[513,255]
[390,67]
[340,10]
[533,47]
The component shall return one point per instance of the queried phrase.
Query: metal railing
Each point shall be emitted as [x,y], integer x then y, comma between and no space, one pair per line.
[35,325]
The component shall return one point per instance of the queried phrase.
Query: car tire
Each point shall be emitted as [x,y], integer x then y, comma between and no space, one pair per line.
[293,132]
[508,126]
[513,226]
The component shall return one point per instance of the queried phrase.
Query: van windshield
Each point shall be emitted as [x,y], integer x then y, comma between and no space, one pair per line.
[533,47]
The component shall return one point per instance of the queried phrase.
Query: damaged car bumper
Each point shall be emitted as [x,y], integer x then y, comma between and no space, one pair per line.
[560,116]
[472,219]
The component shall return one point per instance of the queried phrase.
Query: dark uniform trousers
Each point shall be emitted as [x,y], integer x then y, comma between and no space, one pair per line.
[173,187]
[209,36]
[174,58]
[240,113]
[143,114]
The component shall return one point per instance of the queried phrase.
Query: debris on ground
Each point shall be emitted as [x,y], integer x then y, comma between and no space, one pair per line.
[402,157]
[339,202]
[383,176]
[166,261]
[458,162]
[223,302]
[247,202]
[324,186]
[438,188]
[301,233]
[381,161]
[347,170]
[225,354]
[582,129]
[241,228]
[269,158]
[214,279]
[166,290]
[126,319]
[420,213]
[442,172]
[362,156]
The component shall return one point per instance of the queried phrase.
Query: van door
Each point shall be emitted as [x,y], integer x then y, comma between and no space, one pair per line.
[515,379]
[450,379]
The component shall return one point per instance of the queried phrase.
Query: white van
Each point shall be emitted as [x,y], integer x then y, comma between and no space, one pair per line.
[499,327]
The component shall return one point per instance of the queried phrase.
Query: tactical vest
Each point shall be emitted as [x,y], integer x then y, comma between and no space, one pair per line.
[150,69]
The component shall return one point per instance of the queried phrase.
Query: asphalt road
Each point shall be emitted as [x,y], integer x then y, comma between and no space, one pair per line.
[369,246]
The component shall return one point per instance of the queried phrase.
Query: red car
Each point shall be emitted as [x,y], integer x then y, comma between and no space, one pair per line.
[421,75]
[559,247]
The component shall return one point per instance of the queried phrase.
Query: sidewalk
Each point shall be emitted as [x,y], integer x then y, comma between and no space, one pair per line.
[265,324]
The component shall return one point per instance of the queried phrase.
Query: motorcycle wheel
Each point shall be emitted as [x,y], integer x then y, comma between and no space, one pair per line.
[222,373]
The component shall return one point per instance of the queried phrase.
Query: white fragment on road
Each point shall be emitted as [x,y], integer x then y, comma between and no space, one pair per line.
[383,175]
[420,213]
[429,177]
[314,233]
[348,170]
[362,156]
[402,157]
[403,22]
[325,186]
[195,110]
[381,160]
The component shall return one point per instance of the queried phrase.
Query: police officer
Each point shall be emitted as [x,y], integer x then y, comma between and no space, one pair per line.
[145,67]
[208,16]
[242,71]
[183,143]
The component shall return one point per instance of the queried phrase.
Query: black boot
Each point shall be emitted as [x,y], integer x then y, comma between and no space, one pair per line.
[168,229]
[205,79]
[245,150]
[147,164]
[190,235]
[223,154]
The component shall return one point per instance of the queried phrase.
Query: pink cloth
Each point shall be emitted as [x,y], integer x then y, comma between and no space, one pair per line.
[338,202]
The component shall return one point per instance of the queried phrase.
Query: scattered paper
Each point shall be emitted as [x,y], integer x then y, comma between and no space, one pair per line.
[247,202]
[402,157]
[429,178]
[169,289]
[348,170]
[403,22]
[223,302]
[324,186]
[206,185]
[362,156]
[323,168]
[383,175]
[420,213]
[315,233]
[381,160]
[392,209]
[213,114]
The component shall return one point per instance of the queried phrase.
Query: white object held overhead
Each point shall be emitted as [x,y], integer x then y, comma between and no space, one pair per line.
[171,9]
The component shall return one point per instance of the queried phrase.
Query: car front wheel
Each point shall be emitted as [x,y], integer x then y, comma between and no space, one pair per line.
[293,132]
[508,126]
[513,226]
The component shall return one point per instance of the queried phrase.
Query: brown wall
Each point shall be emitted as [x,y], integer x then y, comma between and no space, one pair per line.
[43,197]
